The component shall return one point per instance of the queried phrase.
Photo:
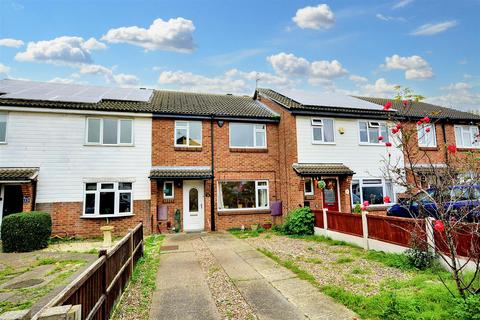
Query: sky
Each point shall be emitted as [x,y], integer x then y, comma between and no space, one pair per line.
[222,46]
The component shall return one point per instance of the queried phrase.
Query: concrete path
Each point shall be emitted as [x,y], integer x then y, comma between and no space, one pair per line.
[272,291]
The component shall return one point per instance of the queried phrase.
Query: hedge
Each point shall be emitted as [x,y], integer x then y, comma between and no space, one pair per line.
[26,231]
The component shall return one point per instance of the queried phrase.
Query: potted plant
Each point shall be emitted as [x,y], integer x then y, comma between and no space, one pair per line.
[267,225]
[107,234]
[254,227]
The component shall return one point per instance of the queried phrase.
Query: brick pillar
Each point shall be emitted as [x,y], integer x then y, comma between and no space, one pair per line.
[27,193]
[153,204]
[345,196]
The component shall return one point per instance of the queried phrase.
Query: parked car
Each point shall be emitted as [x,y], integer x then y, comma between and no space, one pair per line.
[459,200]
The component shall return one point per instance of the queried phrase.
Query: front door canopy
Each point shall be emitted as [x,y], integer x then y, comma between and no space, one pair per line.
[319,169]
[17,174]
[181,172]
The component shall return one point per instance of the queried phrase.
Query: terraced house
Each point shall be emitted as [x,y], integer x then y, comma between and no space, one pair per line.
[87,154]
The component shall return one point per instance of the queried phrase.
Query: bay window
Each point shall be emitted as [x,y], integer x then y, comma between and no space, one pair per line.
[243,195]
[3,127]
[248,135]
[109,131]
[103,199]
[467,136]
[369,132]
[426,135]
[323,130]
[371,190]
[188,133]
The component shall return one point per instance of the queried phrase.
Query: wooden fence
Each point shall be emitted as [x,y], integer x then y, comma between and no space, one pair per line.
[395,230]
[345,223]
[102,283]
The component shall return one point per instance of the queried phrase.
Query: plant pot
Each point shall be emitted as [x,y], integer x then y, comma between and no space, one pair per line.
[107,235]
[267,226]
[254,227]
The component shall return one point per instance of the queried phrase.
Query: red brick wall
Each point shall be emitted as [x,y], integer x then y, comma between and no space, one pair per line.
[67,221]
[230,164]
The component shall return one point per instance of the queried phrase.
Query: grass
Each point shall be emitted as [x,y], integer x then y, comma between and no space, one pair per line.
[422,296]
[136,300]
[344,260]
[247,233]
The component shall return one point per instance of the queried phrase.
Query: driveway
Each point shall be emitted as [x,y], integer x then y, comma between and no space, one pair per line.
[217,276]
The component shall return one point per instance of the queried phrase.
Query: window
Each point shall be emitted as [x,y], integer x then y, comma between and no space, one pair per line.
[3,128]
[371,190]
[322,130]
[309,190]
[168,190]
[107,198]
[426,135]
[109,131]
[248,135]
[371,130]
[243,195]
[188,133]
[467,137]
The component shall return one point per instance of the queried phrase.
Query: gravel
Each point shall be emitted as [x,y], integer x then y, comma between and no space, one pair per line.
[230,303]
[341,266]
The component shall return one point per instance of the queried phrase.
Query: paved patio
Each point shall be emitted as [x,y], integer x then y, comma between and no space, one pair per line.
[272,291]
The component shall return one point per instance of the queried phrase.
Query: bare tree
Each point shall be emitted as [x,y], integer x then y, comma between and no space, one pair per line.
[441,184]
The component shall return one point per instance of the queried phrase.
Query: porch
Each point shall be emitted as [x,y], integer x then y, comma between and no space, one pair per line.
[17,189]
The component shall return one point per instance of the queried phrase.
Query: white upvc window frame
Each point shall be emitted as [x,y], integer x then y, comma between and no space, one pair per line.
[310,181]
[370,125]
[4,115]
[164,189]
[421,133]
[257,188]
[97,192]
[318,123]
[255,129]
[473,129]
[383,184]
[187,127]
[119,132]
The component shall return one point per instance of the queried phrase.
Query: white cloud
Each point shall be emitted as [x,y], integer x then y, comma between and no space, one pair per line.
[61,50]
[319,72]
[125,79]
[61,80]
[389,18]
[401,4]
[319,17]
[4,69]
[458,95]
[121,79]
[358,79]
[172,35]
[415,66]
[381,88]
[433,28]
[12,43]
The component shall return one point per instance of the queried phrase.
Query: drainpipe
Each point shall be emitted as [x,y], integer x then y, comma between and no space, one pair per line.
[444,132]
[212,185]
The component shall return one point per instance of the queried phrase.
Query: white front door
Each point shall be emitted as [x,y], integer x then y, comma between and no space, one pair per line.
[193,207]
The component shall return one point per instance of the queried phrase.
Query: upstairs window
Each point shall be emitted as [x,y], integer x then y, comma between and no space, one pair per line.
[3,128]
[109,131]
[322,130]
[188,133]
[467,137]
[248,135]
[370,131]
[426,135]
[107,199]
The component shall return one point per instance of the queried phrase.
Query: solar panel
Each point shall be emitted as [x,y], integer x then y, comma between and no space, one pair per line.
[329,100]
[47,91]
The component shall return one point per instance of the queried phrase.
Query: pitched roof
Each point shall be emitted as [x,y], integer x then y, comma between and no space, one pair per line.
[163,102]
[326,104]
[183,172]
[18,174]
[421,109]
[309,169]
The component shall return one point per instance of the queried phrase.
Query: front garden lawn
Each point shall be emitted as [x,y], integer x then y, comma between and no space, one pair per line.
[374,284]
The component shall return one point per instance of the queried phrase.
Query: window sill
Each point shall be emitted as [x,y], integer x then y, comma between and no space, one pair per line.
[428,148]
[372,144]
[325,143]
[108,145]
[309,197]
[229,212]
[466,149]
[186,148]
[253,150]
[1,143]
[109,216]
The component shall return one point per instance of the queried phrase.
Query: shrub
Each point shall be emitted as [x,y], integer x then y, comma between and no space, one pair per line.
[299,222]
[26,231]
[418,255]
[357,208]
[468,309]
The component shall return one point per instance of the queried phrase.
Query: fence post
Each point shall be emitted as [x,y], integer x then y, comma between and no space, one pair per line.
[103,252]
[325,225]
[365,230]
[430,234]
[130,240]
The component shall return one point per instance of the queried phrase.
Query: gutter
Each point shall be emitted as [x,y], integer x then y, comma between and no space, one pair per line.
[214,117]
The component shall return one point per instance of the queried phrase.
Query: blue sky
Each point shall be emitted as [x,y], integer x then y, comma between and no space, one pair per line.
[352,47]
